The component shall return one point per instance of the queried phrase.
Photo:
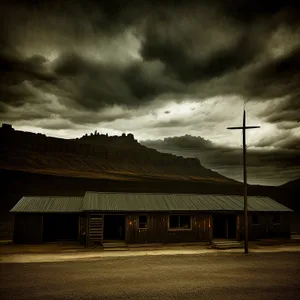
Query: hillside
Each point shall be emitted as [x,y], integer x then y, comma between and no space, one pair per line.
[293,184]
[96,156]
[33,164]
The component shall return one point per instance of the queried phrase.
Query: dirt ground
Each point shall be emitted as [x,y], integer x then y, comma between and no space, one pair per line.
[213,275]
[10,253]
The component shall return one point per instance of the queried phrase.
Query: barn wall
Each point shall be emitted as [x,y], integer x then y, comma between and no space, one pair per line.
[285,225]
[158,231]
[239,227]
[281,230]
[82,229]
[266,228]
[28,229]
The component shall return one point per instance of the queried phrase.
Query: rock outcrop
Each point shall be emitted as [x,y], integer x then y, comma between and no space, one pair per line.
[105,153]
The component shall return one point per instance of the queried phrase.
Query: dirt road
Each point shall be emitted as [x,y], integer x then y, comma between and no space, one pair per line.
[207,276]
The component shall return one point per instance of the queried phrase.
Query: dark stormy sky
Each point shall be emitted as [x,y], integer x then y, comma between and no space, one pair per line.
[176,74]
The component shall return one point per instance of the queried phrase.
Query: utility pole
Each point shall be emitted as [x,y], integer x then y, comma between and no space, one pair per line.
[245,178]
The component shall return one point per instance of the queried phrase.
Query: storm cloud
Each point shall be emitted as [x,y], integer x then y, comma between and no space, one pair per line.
[262,162]
[158,69]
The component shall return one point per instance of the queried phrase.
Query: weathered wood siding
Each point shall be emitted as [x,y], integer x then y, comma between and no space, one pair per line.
[81,230]
[265,227]
[158,230]
[28,229]
[239,227]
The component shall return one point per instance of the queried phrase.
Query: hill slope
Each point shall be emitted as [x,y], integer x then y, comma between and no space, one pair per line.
[293,184]
[96,156]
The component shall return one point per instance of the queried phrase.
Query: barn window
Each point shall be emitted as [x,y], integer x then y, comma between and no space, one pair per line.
[255,220]
[179,222]
[276,219]
[143,220]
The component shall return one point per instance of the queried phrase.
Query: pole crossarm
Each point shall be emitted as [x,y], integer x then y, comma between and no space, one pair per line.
[243,128]
[246,127]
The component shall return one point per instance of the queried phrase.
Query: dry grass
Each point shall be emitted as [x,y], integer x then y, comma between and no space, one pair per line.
[71,165]
[113,175]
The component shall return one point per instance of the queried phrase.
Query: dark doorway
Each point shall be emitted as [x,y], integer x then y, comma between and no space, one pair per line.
[219,227]
[224,226]
[60,227]
[231,226]
[114,227]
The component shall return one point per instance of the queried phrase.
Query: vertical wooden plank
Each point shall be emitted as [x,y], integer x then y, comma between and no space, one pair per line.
[194,225]
[136,228]
[238,227]
[153,227]
[130,229]
[78,240]
[127,239]
[210,227]
[154,232]
[289,227]
[205,228]
[133,229]
[86,229]
[150,228]
[226,227]
[157,230]
[13,228]
[165,228]
[251,232]
[130,239]
[241,227]
[197,227]
[204,221]
[158,223]
[42,229]
[200,227]
[103,229]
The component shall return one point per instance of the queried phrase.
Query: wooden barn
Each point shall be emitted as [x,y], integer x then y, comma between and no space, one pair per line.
[137,218]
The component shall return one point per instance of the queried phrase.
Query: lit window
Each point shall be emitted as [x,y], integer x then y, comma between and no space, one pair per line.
[143,222]
[179,222]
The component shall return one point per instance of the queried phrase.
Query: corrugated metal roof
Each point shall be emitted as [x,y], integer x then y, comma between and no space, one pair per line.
[180,202]
[48,204]
[259,203]
[122,202]
[95,201]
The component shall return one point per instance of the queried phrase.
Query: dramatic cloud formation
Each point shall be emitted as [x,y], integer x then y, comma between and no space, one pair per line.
[265,165]
[157,69]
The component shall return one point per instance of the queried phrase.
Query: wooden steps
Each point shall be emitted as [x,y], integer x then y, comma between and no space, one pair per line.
[226,244]
[96,228]
[115,245]
[295,234]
